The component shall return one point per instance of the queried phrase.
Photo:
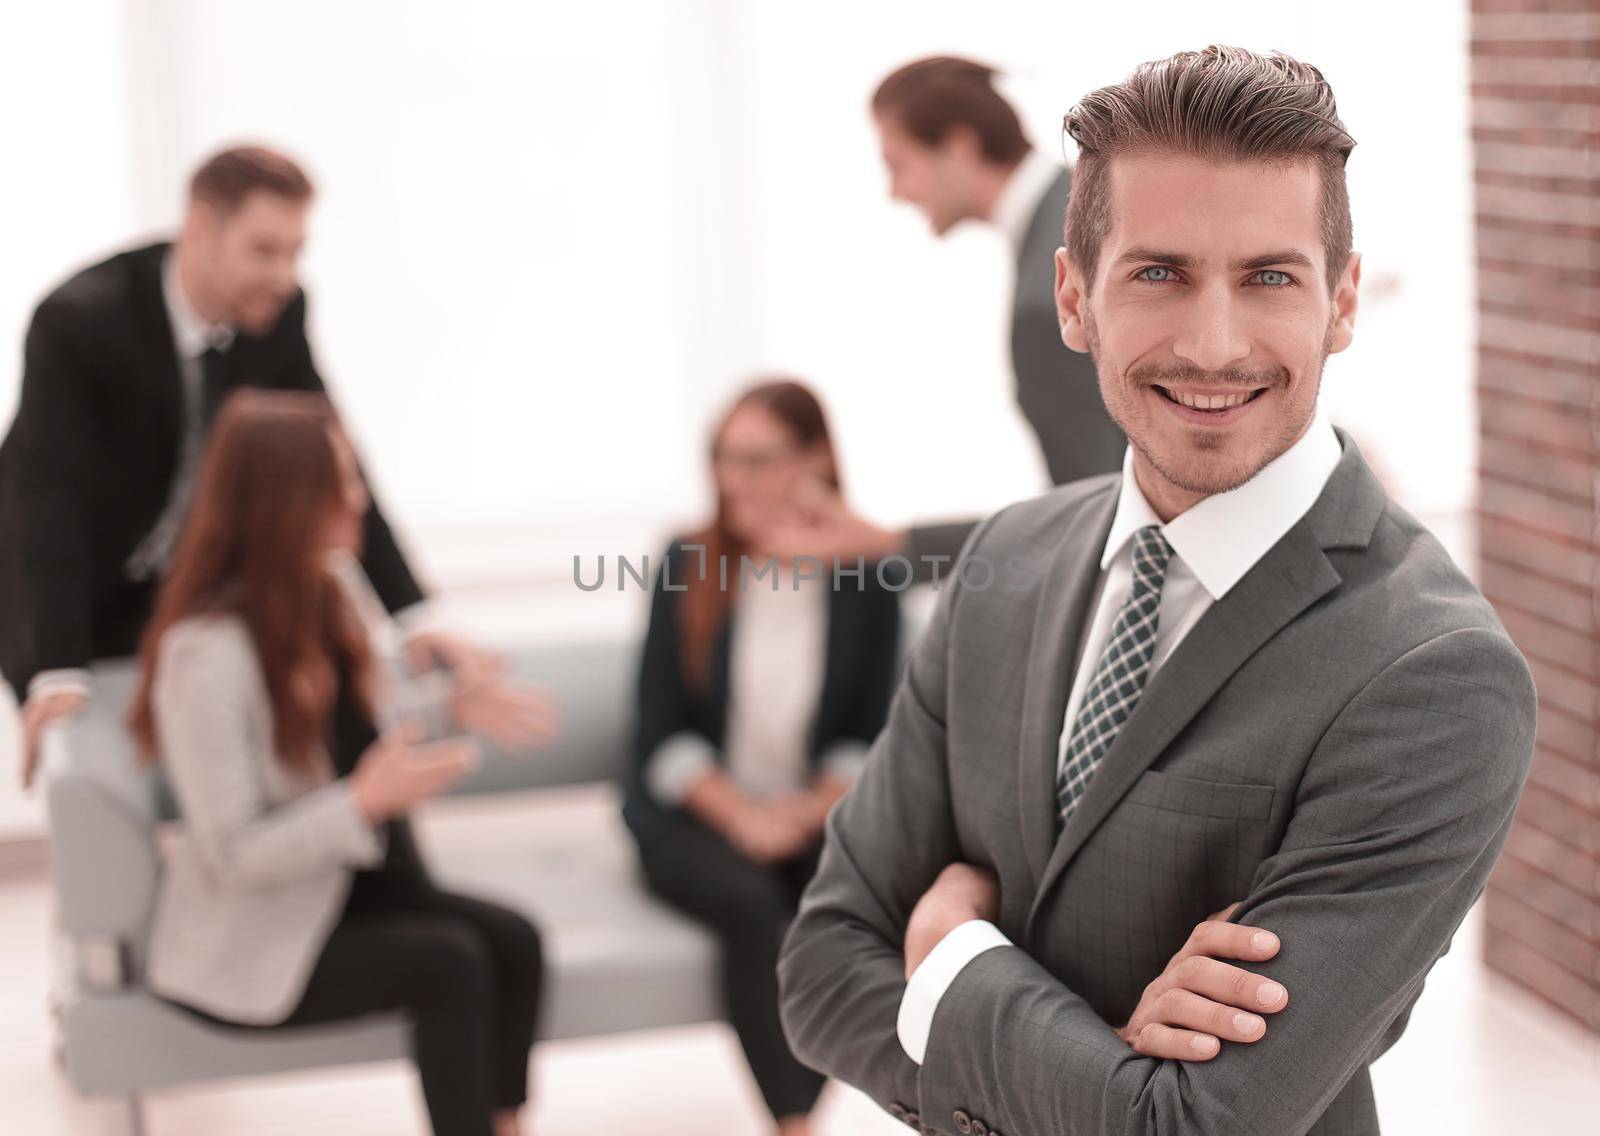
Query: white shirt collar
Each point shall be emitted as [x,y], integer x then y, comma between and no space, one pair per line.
[1221,537]
[191,334]
[1020,197]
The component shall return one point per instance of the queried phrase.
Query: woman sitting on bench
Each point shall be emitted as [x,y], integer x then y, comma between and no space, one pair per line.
[298,895]
[763,682]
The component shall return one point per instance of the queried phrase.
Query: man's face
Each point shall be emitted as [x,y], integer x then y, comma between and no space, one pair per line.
[1210,289]
[247,258]
[936,179]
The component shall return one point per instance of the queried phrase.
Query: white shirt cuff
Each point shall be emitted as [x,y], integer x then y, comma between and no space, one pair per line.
[676,765]
[844,759]
[933,977]
[66,680]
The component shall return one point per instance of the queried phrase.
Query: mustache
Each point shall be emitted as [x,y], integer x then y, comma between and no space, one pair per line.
[1167,374]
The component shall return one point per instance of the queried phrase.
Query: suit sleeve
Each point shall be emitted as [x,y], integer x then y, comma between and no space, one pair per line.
[668,751]
[211,755]
[1400,815]
[934,548]
[385,564]
[842,969]
[55,471]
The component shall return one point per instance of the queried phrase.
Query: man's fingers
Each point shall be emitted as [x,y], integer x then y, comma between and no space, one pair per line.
[1216,938]
[1228,984]
[1169,1044]
[1184,1009]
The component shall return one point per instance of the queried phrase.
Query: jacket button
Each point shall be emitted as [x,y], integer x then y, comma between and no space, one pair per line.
[915,1120]
[979,1128]
[897,1110]
[962,1121]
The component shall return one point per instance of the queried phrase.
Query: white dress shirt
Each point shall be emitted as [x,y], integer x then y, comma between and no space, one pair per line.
[1019,200]
[776,662]
[1214,543]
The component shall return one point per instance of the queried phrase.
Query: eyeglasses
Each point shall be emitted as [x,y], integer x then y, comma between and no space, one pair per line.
[751,461]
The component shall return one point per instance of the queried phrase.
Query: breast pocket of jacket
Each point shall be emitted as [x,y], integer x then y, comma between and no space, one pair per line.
[1187,845]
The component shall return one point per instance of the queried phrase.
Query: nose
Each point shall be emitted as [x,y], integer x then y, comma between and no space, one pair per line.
[1212,336]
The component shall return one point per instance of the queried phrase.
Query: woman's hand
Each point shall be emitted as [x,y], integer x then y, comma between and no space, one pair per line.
[393,776]
[761,831]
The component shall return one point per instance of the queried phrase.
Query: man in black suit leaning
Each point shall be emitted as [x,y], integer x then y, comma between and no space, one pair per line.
[124,367]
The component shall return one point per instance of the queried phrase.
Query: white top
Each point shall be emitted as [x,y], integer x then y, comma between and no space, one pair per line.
[1214,543]
[1023,192]
[777,658]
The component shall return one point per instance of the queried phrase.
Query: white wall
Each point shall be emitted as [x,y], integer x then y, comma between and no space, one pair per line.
[552,239]
[906,334]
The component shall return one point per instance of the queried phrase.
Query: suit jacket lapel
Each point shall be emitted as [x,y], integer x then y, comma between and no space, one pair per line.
[153,329]
[1294,574]
[1059,624]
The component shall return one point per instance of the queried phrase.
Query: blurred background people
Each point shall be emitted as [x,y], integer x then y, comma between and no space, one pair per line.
[124,368]
[954,148]
[298,894]
[758,698]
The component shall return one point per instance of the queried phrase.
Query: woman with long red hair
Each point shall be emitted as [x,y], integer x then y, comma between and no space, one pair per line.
[298,894]
[763,681]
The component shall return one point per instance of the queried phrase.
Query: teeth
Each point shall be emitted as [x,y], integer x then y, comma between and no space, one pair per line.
[1210,401]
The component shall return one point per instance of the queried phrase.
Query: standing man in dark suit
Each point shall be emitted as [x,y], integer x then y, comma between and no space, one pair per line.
[124,368]
[1236,676]
[954,148]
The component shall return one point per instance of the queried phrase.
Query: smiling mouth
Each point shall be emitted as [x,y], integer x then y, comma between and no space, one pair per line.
[1214,403]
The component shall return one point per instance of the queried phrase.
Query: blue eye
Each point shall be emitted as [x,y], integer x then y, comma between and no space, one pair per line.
[1144,274]
[1272,278]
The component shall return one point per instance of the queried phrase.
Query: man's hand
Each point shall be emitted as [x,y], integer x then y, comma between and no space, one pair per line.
[1199,1002]
[820,524]
[37,713]
[428,650]
[512,715]
[960,894]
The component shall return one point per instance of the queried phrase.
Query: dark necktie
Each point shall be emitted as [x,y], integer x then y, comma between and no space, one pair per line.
[149,559]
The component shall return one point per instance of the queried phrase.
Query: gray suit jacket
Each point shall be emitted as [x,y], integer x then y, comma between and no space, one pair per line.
[1057,389]
[1339,743]
[259,878]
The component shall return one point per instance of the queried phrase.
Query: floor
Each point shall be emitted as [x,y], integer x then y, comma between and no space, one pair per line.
[1480,1059]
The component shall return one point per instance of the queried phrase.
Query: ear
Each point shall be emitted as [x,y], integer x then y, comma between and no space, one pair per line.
[1070,301]
[962,142]
[816,461]
[200,221]
[1344,304]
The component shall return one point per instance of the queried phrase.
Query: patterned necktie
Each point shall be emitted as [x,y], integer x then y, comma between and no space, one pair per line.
[1119,676]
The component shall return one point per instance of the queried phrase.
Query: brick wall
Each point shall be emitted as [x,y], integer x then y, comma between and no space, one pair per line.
[1536,145]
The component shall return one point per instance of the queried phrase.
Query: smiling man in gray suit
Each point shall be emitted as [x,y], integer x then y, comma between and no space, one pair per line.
[1236,672]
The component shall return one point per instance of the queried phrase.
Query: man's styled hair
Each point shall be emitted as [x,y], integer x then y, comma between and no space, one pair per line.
[929,97]
[1223,104]
[225,179]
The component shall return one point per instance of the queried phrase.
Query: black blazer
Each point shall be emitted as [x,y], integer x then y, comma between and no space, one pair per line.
[87,465]
[860,674]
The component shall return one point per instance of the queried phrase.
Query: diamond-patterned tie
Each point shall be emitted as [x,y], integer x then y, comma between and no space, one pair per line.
[1119,676]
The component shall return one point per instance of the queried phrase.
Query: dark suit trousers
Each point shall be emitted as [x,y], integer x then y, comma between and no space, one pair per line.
[467,971]
[748,907]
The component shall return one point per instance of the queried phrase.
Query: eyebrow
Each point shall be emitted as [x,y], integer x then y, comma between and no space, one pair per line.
[1181,260]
